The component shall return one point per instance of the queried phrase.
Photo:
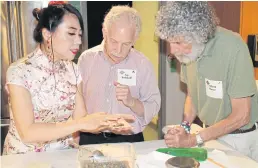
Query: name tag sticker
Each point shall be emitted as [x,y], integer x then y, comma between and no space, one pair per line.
[214,88]
[126,77]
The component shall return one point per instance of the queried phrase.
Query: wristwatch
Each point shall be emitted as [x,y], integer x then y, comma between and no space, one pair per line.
[199,140]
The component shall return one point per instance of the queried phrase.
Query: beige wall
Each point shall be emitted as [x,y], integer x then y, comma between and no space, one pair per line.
[148,45]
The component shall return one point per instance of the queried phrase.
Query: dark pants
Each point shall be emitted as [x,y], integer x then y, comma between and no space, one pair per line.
[106,137]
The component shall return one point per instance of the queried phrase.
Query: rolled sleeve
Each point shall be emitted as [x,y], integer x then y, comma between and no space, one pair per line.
[149,95]
[241,73]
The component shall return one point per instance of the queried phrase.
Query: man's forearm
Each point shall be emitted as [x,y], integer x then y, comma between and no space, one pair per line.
[137,107]
[221,128]
[239,117]
[189,117]
[189,111]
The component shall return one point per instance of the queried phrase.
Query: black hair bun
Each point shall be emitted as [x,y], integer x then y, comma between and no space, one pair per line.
[36,13]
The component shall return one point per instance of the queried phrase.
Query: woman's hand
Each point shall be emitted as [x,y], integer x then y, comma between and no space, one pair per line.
[93,123]
[97,122]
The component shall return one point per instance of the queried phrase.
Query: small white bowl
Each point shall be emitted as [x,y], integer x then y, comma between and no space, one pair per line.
[168,127]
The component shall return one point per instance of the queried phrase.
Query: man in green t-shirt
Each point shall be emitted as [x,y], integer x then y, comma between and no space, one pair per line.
[217,69]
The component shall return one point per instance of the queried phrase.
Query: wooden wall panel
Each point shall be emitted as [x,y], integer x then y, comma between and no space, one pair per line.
[228,13]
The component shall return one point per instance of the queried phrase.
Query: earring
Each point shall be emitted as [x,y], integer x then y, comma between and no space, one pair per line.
[48,47]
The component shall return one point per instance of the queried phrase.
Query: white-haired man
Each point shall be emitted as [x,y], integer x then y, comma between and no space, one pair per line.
[119,79]
[217,69]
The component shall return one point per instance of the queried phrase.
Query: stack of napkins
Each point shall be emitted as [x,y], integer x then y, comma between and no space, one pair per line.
[157,160]
[152,160]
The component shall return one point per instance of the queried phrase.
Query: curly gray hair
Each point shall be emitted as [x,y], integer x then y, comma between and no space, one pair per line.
[195,21]
[119,11]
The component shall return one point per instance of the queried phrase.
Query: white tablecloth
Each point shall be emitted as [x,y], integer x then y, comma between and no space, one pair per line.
[67,158]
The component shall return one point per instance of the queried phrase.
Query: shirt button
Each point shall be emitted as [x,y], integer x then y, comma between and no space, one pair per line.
[107,100]
[109,84]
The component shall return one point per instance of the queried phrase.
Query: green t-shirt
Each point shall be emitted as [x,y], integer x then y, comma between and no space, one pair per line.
[224,71]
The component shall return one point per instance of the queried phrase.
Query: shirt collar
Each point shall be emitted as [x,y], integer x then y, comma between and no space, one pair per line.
[209,46]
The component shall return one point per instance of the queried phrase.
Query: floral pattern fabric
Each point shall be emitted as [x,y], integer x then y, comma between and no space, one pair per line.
[53,86]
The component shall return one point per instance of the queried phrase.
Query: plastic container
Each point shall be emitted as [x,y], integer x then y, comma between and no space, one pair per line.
[120,155]
[199,154]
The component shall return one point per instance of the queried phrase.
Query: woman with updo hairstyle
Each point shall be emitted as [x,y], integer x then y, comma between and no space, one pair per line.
[45,93]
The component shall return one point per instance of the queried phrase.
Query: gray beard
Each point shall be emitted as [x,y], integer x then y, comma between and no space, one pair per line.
[197,50]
